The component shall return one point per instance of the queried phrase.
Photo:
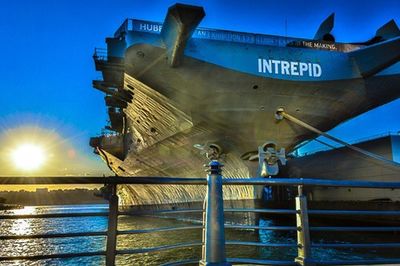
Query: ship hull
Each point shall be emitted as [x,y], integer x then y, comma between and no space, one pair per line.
[176,111]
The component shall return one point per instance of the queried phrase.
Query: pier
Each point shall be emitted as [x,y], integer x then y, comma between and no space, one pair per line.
[213,243]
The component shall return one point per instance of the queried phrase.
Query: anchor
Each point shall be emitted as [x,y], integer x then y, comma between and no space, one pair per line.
[268,158]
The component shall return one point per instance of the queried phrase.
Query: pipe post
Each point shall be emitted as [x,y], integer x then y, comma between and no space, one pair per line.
[303,231]
[214,235]
[112,226]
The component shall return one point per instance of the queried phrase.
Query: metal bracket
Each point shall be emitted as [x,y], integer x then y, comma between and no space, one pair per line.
[211,151]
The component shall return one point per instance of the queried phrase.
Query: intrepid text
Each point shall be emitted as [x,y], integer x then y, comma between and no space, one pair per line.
[290,68]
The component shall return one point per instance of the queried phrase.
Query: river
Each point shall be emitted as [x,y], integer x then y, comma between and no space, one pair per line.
[82,244]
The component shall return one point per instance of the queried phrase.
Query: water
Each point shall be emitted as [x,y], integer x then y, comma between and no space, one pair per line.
[82,244]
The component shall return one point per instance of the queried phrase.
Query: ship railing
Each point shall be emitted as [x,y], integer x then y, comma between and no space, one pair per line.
[213,243]
[100,54]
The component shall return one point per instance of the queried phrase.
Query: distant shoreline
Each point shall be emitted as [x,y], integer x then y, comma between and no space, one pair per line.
[43,196]
[10,206]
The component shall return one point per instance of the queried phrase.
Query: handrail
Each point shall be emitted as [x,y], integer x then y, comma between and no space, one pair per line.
[259,244]
[353,212]
[303,245]
[182,262]
[140,180]
[355,228]
[53,215]
[309,182]
[256,227]
[359,262]
[53,235]
[356,245]
[143,212]
[54,256]
[100,54]
[161,229]
[281,211]
[159,248]
[65,180]
[262,262]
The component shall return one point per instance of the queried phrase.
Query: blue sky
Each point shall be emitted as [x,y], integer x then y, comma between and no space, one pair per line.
[46,65]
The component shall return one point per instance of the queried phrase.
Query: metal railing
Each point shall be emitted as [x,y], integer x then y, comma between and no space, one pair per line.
[100,54]
[213,243]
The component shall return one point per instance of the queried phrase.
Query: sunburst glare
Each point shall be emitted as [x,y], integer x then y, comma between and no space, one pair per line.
[28,156]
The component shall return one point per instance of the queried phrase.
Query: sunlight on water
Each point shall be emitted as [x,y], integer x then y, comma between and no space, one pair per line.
[22,226]
[137,241]
[25,210]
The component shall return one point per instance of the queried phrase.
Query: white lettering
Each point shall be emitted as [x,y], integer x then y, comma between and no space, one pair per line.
[150,27]
[317,70]
[267,66]
[285,68]
[293,68]
[276,63]
[303,67]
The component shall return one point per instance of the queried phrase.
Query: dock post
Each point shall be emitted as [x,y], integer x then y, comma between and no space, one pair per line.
[112,226]
[303,231]
[214,235]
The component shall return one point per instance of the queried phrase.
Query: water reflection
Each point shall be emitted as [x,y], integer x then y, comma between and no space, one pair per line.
[83,244]
[275,237]
[21,226]
[54,225]
[25,210]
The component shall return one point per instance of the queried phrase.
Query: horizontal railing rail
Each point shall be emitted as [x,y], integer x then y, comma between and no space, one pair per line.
[211,233]
[359,262]
[53,235]
[143,212]
[159,248]
[355,228]
[182,262]
[309,182]
[260,244]
[162,229]
[256,227]
[100,54]
[53,256]
[261,262]
[356,245]
[53,215]
[281,211]
[353,212]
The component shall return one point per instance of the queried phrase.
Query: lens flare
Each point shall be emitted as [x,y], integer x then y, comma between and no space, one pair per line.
[28,157]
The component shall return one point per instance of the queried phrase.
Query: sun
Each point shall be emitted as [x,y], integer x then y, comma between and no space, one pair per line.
[28,157]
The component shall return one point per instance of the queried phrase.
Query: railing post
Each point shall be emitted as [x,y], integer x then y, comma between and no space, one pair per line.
[303,231]
[112,226]
[214,235]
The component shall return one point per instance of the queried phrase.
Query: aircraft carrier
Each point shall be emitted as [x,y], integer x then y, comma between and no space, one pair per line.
[179,95]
